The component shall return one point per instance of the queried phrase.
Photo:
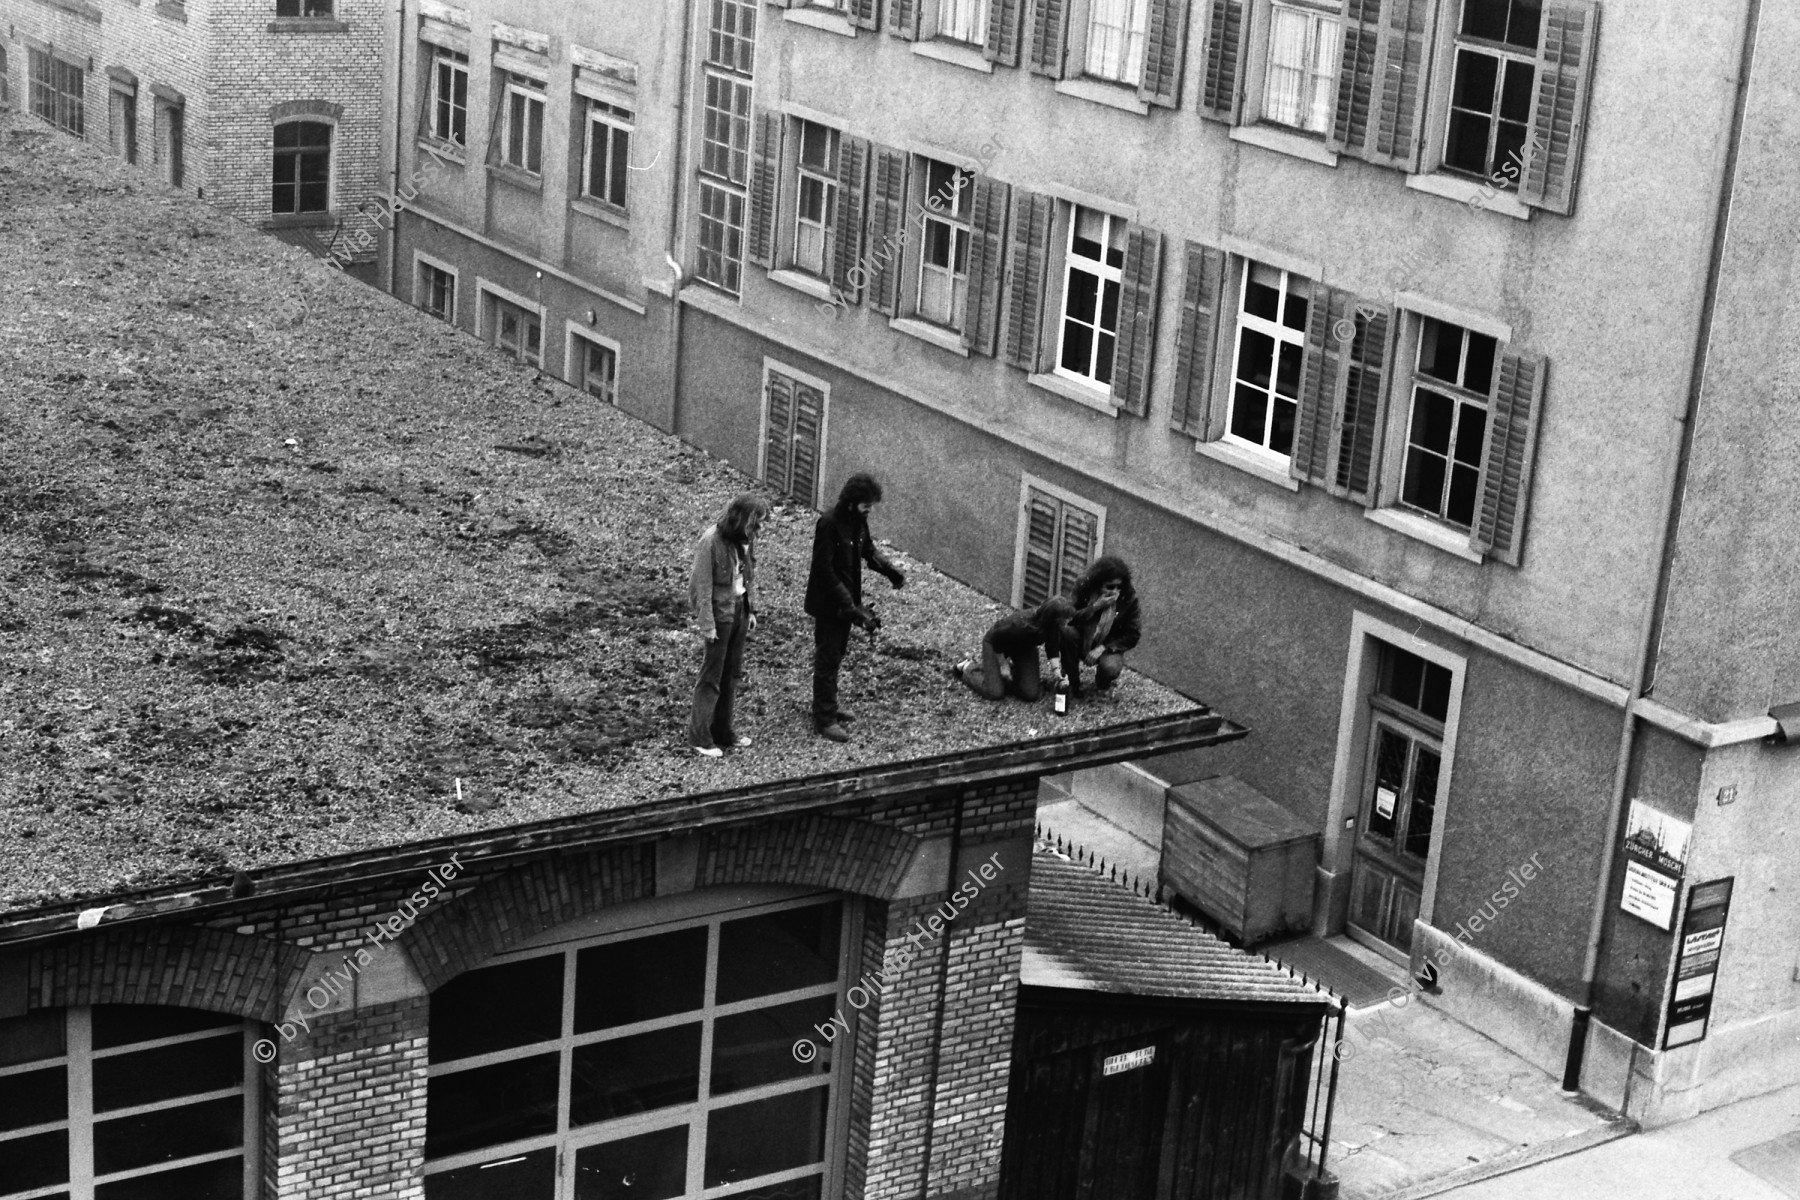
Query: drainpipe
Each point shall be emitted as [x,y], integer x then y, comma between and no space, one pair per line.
[399,116]
[1675,484]
[677,209]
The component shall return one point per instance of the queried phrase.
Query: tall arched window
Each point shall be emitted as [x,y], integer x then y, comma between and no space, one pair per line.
[653,1062]
[130,1101]
[302,167]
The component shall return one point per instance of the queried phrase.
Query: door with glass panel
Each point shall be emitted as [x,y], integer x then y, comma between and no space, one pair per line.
[652,1064]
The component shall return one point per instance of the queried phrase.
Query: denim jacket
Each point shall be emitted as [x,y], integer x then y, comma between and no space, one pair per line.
[710,593]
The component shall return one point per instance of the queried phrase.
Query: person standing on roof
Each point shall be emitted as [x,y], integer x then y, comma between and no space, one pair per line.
[834,599]
[1107,625]
[722,593]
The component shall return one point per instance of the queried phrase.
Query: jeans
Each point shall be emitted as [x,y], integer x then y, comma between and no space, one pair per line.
[830,639]
[1027,675]
[1106,671]
[711,724]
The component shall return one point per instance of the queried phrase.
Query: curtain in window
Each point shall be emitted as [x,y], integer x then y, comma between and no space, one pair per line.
[964,21]
[1287,66]
[1115,45]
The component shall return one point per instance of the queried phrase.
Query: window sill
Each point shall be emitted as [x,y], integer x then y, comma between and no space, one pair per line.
[800,281]
[1285,141]
[442,153]
[925,331]
[82,9]
[1248,461]
[523,180]
[830,22]
[1122,96]
[308,25]
[600,212]
[1425,530]
[957,54]
[172,11]
[1068,389]
[307,220]
[1467,191]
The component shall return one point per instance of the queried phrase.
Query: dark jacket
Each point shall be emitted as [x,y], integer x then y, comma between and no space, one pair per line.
[1127,624]
[841,544]
[1029,627]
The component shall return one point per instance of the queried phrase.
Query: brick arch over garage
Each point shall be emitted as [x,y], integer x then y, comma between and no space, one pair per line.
[182,965]
[507,909]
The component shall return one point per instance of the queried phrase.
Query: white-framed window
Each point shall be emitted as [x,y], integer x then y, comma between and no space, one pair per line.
[128,1100]
[593,364]
[1088,326]
[434,287]
[796,407]
[1115,39]
[1301,66]
[963,21]
[816,192]
[724,166]
[522,124]
[657,1059]
[1060,535]
[57,89]
[944,229]
[1446,430]
[302,168]
[1268,353]
[721,258]
[1491,88]
[608,153]
[447,105]
[512,323]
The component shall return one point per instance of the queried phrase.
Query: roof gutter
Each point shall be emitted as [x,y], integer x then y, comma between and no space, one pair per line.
[1675,486]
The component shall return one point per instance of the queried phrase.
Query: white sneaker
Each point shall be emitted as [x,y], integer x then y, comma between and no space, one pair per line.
[742,743]
[709,752]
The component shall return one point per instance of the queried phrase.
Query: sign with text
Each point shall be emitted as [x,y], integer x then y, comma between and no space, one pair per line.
[1697,962]
[1649,894]
[1656,850]
[1126,1062]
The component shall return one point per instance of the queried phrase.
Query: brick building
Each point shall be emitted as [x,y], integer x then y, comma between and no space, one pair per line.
[1340,321]
[270,110]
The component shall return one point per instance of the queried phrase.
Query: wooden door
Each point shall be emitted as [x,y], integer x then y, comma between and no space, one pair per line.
[1399,809]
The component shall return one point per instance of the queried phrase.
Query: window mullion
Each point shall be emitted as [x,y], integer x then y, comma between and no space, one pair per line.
[81,1103]
[697,1130]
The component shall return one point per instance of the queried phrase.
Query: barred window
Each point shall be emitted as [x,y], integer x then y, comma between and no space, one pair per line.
[56,91]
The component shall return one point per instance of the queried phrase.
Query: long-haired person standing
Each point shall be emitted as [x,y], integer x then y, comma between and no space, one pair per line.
[723,595]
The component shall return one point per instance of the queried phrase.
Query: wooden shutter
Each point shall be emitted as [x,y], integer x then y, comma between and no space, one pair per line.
[1075,549]
[903,19]
[809,419]
[1202,289]
[1356,76]
[1048,19]
[1357,451]
[1165,38]
[1027,256]
[1506,474]
[864,14]
[852,168]
[987,238]
[887,222]
[765,188]
[1137,320]
[1219,76]
[778,433]
[1004,18]
[1039,569]
[1318,385]
[1565,75]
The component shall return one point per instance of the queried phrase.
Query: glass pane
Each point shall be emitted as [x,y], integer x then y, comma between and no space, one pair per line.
[1466,143]
[168,1134]
[778,951]
[1281,433]
[1401,675]
[35,1162]
[489,1105]
[1294,315]
[186,1069]
[758,1047]
[1287,380]
[35,1036]
[33,1098]
[748,1140]
[529,1176]
[1424,804]
[1256,356]
[1470,432]
[287,135]
[529,993]
[1440,350]
[1390,774]
[1249,414]
[1078,347]
[1109,306]
[651,1166]
[1433,416]
[1522,29]
[1485,19]
[641,1073]
[1090,227]
[1103,357]
[221,1180]
[621,155]
[1515,95]
[1423,485]
[1459,505]
[643,978]
[1434,692]
[804,1188]
[1478,372]
[123,1024]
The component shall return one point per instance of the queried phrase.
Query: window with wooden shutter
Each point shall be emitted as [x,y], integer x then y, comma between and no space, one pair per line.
[1447,425]
[792,436]
[1268,361]
[903,18]
[1356,76]
[1203,283]
[765,188]
[1565,73]
[1004,21]
[1165,38]
[1137,317]
[1318,388]
[1499,527]
[853,165]
[887,225]
[1059,537]
[864,14]
[1223,65]
[1049,27]
[1027,258]
[1361,407]
[987,239]
[1381,81]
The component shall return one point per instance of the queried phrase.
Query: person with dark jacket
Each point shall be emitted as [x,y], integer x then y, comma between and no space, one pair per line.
[834,599]
[1108,624]
[1014,641]
[722,594]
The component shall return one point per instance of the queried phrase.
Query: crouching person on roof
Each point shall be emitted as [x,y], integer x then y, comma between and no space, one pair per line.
[722,593]
[1009,652]
[1107,625]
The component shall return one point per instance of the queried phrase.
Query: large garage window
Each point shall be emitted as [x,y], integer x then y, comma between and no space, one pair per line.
[127,1102]
[652,1064]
